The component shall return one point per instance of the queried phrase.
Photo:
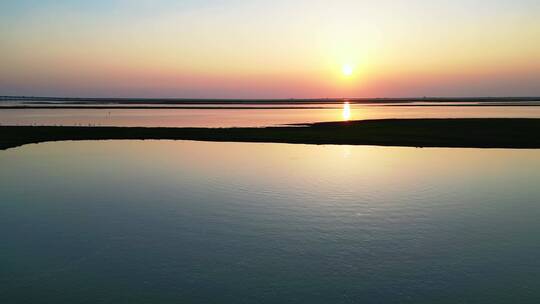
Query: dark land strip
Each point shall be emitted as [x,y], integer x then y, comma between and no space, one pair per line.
[466,133]
[290,101]
[253,107]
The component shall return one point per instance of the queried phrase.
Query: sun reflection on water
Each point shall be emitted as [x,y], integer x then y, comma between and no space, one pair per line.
[346,111]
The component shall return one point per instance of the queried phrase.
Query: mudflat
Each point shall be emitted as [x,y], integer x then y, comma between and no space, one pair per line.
[465,133]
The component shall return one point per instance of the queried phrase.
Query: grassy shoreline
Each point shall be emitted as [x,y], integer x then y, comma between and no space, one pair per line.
[464,133]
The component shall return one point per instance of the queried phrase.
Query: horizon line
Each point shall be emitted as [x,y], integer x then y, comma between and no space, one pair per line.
[67,98]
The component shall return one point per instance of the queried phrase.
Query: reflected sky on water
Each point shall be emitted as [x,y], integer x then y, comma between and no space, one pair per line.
[182,221]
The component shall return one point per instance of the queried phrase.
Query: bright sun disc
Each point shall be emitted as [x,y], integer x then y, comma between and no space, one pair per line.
[347,70]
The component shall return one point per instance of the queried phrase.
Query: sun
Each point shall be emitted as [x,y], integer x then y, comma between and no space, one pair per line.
[347,70]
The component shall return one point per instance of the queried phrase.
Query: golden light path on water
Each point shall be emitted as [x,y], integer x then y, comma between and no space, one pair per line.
[346,111]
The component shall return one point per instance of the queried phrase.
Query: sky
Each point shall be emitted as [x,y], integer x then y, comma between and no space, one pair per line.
[270,49]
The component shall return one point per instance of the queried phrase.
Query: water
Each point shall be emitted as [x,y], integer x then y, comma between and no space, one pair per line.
[252,116]
[196,222]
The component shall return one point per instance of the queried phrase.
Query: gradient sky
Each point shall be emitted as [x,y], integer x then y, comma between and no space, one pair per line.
[269,49]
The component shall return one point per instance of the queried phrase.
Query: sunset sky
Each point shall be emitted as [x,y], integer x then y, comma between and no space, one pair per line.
[270,49]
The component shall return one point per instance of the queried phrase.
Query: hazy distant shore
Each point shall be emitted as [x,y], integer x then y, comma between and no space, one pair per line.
[465,133]
[252,107]
[170,101]
[156,106]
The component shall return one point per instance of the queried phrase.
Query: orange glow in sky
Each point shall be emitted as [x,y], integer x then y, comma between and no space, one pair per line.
[282,49]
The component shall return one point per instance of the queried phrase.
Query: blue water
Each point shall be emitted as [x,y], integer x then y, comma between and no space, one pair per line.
[194,222]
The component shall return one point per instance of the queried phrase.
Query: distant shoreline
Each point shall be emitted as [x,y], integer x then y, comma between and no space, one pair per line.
[52,106]
[154,107]
[291,101]
[458,133]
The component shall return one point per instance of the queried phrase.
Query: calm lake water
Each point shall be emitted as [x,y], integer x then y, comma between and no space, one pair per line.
[195,222]
[253,116]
